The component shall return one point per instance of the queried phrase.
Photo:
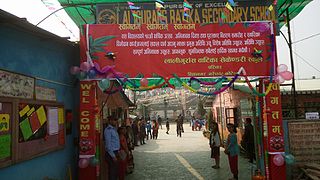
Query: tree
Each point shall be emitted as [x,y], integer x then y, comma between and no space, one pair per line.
[201,110]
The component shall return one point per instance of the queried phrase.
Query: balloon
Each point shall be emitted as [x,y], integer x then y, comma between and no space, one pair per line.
[94,161]
[282,68]
[104,84]
[279,79]
[85,66]
[92,73]
[278,160]
[289,159]
[82,75]
[83,163]
[218,85]
[287,75]
[195,85]
[74,70]
[144,82]
[177,84]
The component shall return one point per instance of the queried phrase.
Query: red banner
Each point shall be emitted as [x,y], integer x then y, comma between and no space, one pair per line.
[87,119]
[275,143]
[188,50]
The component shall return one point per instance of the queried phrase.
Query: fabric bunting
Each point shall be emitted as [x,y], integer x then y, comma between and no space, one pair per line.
[231,2]
[229,7]
[186,9]
[187,5]
[159,1]
[130,3]
[159,6]
[134,7]
[270,8]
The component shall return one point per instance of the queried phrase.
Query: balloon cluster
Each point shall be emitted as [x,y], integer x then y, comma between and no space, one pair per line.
[84,71]
[280,159]
[85,162]
[283,74]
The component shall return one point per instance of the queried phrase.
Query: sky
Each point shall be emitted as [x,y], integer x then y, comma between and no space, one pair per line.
[306,24]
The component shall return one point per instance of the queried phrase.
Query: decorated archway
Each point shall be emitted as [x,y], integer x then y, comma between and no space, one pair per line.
[184,54]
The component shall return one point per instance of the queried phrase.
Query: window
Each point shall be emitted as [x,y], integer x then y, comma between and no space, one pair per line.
[231,116]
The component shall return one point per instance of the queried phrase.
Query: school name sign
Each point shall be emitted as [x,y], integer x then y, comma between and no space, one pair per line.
[187,50]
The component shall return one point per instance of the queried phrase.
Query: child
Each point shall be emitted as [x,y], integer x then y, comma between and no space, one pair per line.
[215,145]
[167,126]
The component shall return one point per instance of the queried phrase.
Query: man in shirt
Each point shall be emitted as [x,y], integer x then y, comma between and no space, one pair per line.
[112,145]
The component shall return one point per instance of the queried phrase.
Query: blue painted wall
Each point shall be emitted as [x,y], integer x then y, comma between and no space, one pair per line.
[23,51]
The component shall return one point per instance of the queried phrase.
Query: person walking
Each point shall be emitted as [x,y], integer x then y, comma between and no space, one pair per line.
[215,143]
[248,139]
[167,126]
[112,146]
[155,129]
[160,121]
[149,128]
[232,150]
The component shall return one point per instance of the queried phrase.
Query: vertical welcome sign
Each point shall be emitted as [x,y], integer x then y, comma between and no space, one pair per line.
[275,140]
[87,119]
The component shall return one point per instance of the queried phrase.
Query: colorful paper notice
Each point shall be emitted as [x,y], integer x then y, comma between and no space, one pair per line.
[60,115]
[24,110]
[5,146]
[41,115]
[30,111]
[26,129]
[34,121]
[4,122]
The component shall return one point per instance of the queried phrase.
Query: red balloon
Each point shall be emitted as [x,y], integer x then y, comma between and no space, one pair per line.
[144,82]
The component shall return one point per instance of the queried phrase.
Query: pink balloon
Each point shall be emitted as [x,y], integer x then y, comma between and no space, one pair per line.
[279,79]
[83,163]
[287,75]
[144,82]
[74,70]
[282,68]
[278,160]
[85,66]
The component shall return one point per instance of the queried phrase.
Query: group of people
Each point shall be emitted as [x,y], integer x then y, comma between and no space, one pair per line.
[120,140]
[231,146]
[197,124]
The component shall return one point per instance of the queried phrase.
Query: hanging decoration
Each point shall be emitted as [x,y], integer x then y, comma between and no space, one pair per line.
[186,8]
[283,74]
[132,7]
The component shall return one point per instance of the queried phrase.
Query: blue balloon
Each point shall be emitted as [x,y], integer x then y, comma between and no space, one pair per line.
[82,75]
[195,85]
[289,159]
[92,73]
[104,84]
[94,161]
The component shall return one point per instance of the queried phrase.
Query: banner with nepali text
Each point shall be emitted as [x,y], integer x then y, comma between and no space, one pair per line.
[187,50]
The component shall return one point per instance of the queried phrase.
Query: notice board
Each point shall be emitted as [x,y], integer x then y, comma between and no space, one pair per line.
[29,128]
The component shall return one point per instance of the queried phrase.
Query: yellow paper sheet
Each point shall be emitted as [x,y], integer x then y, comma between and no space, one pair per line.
[30,111]
[41,115]
[4,122]
[60,116]
[24,110]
